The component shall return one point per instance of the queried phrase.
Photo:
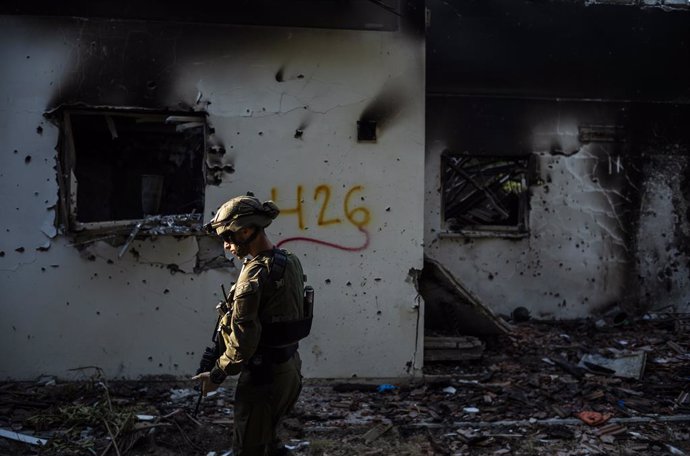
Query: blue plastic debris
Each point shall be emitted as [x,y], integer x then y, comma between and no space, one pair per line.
[385,387]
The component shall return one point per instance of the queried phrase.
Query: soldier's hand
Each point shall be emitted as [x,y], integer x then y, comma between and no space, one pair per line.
[207,385]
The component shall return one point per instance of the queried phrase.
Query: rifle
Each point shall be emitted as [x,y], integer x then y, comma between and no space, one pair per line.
[211,354]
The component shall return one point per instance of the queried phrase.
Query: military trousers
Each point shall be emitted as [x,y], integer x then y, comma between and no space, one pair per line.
[259,409]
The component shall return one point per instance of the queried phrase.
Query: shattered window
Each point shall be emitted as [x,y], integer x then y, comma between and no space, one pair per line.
[122,169]
[484,193]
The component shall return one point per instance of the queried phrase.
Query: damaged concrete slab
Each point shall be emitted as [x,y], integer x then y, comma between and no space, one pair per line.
[452,308]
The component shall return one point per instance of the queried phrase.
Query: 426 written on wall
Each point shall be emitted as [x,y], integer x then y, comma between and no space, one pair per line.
[358,216]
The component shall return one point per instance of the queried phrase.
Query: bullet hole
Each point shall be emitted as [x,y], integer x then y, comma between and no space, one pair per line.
[110,261]
[388,209]
[174,269]
[298,134]
[98,312]
[280,75]
[43,269]
[491,277]
[150,358]
[28,336]
[35,193]
[160,364]
[27,159]
[2,253]
[328,281]
[28,56]
[143,281]
[157,308]
[39,130]
[377,279]
[19,249]
[16,151]
[261,133]
[175,366]
[67,303]
[349,284]
[14,328]
[134,252]
[91,257]
[166,291]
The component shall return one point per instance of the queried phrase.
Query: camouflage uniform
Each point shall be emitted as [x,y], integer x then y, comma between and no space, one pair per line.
[268,385]
[270,376]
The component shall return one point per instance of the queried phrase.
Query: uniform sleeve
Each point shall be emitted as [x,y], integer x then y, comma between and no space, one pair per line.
[244,325]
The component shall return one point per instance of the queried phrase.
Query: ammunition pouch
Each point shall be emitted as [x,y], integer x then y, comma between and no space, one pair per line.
[285,333]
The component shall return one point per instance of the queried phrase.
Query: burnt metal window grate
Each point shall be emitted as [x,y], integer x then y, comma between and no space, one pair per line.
[121,169]
[484,193]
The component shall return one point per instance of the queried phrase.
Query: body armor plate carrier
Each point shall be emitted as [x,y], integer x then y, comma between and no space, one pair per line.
[279,334]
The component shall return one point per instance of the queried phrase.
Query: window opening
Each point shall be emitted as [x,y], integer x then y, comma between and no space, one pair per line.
[484,193]
[139,172]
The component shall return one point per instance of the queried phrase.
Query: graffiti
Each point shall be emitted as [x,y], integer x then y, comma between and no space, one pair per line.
[362,211]
[357,216]
[345,248]
[298,210]
[326,191]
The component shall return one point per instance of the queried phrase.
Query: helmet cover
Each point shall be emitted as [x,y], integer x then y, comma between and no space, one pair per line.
[242,212]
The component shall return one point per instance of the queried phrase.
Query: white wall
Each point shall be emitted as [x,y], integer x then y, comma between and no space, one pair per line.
[663,233]
[572,261]
[607,223]
[64,308]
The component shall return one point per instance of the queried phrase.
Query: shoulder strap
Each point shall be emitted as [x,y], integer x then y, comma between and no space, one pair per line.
[277,267]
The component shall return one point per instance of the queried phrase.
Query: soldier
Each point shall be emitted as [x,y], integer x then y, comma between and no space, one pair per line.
[259,332]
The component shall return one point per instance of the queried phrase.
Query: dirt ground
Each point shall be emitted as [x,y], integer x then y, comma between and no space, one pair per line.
[522,397]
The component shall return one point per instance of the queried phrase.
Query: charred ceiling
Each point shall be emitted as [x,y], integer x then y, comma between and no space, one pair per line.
[336,14]
[558,49]
[492,126]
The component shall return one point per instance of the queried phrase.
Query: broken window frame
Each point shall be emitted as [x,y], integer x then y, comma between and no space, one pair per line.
[173,224]
[518,230]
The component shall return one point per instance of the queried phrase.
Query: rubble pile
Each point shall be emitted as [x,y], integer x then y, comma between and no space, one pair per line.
[566,388]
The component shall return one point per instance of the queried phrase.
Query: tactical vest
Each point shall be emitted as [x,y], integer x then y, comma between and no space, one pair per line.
[281,334]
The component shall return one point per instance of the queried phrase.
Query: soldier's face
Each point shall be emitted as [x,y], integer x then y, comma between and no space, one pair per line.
[240,251]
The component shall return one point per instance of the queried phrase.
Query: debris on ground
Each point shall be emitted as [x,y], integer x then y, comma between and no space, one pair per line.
[528,394]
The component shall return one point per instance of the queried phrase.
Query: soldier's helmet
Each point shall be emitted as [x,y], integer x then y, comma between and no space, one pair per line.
[242,212]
